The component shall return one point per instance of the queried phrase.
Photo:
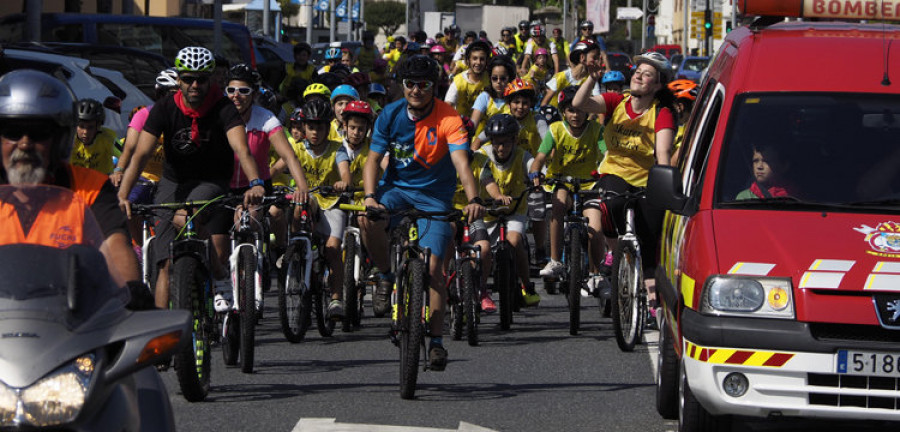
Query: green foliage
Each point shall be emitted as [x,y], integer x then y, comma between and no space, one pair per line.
[385,15]
[287,8]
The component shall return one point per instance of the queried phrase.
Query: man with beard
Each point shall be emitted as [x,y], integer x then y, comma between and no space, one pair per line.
[37,119]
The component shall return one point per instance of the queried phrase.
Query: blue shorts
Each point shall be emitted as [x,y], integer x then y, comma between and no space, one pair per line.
[433,234]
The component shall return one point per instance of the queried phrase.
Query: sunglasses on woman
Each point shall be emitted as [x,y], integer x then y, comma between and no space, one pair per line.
[243,91]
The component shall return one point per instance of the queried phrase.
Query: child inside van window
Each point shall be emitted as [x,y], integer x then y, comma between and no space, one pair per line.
[768,169]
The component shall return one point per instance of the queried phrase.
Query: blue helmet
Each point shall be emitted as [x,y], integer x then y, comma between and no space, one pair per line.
[613,77]
[344,90]
[333,53]
[376,88]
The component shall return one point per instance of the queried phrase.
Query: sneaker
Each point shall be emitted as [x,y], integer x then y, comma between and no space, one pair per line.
[531,298]
[487,303]
[438,357]
[381,300]
[553,268]
[224,296]
[608,260]
[336,310]
[592,285]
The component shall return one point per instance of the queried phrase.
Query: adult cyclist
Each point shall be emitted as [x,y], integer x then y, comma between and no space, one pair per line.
[202,133]
[427,144]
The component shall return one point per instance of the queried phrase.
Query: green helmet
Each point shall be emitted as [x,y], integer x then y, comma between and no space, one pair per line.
[195,59]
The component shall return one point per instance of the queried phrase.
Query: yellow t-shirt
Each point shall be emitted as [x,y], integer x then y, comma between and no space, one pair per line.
[574,156]
[492,109]
[356,172]
[562,80]
[460,201]
[630,144]
[98,155]
[467,92]
[282,178]
[292,71]
[529,138]
[335,133]
[511,178]
[321,170]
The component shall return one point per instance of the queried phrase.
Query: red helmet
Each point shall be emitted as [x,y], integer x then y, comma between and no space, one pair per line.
[359,108]
[519,85]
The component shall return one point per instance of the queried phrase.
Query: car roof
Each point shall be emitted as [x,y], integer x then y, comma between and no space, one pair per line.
[808,56]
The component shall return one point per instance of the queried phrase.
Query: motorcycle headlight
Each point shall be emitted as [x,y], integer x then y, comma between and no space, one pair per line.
[745,296]
[55,399]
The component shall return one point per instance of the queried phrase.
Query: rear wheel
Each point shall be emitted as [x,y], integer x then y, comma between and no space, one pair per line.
[412,326]
[247,307]
[627,281]
[576,264]
[351,287]
[666,374]
[503,283]
[470,283]
[192,363]
[457,309]
[320,299]
[294,323]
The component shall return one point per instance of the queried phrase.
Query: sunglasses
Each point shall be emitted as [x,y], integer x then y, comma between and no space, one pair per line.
[505,34]
[422,85]
[498,78]
[243,91]
[35,132]
[191,79]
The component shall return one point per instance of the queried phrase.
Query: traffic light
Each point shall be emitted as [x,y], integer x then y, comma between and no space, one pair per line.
[707,22]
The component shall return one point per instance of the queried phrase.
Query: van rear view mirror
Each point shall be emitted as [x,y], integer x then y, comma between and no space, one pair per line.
[664,189]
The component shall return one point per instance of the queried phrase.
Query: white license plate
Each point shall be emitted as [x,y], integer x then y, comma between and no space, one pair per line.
[868,363]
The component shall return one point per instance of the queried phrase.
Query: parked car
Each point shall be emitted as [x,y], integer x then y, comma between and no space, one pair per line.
[690,67]
[667,50]
[270,59]
[130,96]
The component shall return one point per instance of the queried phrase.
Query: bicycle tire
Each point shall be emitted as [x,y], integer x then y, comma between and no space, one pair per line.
[503,284]
[321,296]
[456,294]
[412,326]
[470,281]
[231,339]
[351,288]
[576,266]
[247,292]
[192,364]
[627,277]
[294,323]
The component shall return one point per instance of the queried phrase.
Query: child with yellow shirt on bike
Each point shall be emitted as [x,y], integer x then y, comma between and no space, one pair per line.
[466,86]
[94,145]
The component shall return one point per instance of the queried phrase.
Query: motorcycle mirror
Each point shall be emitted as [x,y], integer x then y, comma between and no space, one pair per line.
[72,288]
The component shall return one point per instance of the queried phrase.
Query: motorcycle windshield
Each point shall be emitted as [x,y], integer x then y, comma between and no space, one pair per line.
[49,257]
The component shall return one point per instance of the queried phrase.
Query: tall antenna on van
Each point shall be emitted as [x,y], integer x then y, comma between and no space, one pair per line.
[886,79]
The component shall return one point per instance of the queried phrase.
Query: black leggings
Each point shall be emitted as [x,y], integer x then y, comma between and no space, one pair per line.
[647,219]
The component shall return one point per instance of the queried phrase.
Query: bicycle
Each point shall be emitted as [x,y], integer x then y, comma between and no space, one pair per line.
[629,302]
[249,265]
[356,270]
[410,317]
[464,288]
[304,292]
[190,288]
[575,244]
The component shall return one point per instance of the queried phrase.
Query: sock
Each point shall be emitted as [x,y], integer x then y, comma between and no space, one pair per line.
[438,340]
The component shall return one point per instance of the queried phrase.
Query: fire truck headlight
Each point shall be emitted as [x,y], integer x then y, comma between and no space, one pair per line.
[748,296]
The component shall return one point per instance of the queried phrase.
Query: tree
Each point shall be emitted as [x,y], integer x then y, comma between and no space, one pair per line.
[288,9]
[386,15]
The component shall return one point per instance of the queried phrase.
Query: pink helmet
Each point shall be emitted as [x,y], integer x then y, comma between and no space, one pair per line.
[438,49]
[541,51]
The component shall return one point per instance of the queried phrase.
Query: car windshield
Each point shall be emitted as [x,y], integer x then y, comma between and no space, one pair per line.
[695,65]
[818,149]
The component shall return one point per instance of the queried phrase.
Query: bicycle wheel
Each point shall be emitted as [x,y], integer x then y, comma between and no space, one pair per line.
[192,364]
[295,319]
[321,296]
[350,287]
[455,292]
[627,280]
[576,277]
[469,281]
[231,338]
[412,326]
[503,282]
[247,292]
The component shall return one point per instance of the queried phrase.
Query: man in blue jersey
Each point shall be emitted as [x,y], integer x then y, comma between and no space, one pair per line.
[428,148]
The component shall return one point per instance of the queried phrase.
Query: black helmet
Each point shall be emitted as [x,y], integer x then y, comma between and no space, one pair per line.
[564,99]
[420,67]
[27,94]
[329,79]
[588,24]
[243,72]
[501,124]
[316,110]
[479,45]
[341,70]
[90,109]
[550,113]
[302,46]
[268,99]
[471,34]
[523,24]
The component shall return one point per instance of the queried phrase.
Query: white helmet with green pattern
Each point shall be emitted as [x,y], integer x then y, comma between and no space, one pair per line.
[195,59]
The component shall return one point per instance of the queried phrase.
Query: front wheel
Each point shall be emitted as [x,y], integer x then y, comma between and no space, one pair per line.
[351,287]
[192,364]
[576,258]
[692,417]
[666,374]
[247,306]
[321,296]
[410,298]
[292,296]
[503,282]
[627,280]
[457,314]
[470,282]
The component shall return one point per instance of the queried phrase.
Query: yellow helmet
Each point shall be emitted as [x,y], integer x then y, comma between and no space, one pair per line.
[317,88]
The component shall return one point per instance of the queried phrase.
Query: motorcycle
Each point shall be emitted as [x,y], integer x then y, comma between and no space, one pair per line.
[72,356]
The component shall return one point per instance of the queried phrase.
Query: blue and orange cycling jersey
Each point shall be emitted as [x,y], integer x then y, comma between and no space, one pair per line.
[420,150]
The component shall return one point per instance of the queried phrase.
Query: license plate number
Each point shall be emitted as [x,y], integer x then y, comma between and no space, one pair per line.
[868,363]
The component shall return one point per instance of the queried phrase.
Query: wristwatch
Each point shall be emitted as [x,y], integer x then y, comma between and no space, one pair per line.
[477,200]
[370,195]
[257,182]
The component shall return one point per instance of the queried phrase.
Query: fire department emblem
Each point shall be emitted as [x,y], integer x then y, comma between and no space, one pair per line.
[883,239]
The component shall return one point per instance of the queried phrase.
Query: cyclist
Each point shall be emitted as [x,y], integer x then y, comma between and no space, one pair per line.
[577,154]
[539,40]
[582,54]
[377,97]
[202,132]
[316,91]
[466,86]
[587,34]
[507,41]
[491,101]
[340,97]
[300,68]
[318,157]
[539,71]
[332,57]
[561,42]
[614,81]
[640,133]
[351,157]
[95,145]
[37,123]
[348,60]
[428,149]
[685,92]
[521,37]
[368,52]
[507,169]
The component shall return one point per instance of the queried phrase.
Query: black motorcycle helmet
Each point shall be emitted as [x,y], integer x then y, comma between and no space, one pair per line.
[500,125]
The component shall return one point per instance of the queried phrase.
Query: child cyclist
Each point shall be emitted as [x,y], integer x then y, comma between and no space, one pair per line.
[318,155]
[507,170]
[575,152]
[94,145]
[489,102]
[466,86]
[340,97]
[351,157]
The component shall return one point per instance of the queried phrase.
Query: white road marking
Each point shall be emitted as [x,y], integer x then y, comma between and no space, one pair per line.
[330,425]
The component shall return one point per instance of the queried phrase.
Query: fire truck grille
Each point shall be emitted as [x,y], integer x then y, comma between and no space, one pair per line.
[853,332]
[855,391]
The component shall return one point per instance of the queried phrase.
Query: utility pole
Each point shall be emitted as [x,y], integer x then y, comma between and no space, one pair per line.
[332,25]
[309,21]
[267,10]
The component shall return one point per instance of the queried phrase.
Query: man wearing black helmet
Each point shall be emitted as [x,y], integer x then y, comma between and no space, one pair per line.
[521,37]
[427,146]
[586,32]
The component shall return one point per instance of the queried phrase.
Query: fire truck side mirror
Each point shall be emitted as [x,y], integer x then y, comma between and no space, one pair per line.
[664,190]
